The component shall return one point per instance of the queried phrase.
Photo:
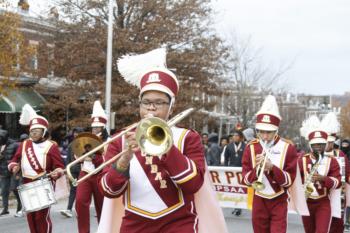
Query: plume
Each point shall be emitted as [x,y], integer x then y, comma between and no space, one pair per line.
[132,67]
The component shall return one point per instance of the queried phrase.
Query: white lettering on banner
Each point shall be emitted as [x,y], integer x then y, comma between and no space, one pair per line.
[317,134]
[227,184]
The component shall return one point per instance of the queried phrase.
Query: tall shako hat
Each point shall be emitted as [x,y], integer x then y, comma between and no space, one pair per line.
[331,125]
[98,117]
[268,117]
[31,118]
[148,72]
[312,131]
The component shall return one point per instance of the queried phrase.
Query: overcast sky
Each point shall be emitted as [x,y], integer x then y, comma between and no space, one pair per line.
[314,35]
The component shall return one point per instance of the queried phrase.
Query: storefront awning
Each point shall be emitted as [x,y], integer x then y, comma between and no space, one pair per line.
[14,100]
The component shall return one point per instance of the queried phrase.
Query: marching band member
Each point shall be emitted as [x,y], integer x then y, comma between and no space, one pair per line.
[331,125]
[320,175]
[270,204]
[35,157]
[158,192]
[89,188]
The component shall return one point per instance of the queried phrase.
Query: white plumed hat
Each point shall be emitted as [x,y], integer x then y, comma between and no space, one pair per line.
[331,125]
[312,130]
[268,117]
[148,72]
[31,118]
[98,117]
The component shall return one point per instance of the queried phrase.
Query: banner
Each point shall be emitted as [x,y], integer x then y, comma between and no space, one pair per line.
[229,190]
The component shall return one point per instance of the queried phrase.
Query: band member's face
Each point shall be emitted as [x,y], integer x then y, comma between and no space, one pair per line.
[330,146]
[205,139]
[96,130]
[36,134]
[155,103]
[318,147]
[236,137]
[266,136]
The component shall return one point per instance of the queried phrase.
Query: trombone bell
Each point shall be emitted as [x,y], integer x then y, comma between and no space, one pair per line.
[154,136]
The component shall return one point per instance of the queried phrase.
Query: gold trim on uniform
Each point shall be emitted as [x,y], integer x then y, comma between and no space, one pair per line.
[190,176]
[169,209]
[44,161]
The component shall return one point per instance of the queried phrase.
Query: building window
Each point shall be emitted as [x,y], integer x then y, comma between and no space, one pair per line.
[51,57]
[33,62]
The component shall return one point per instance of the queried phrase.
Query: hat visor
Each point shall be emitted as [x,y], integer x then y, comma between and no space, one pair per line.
[330,139]
[37,126]
[317,141]
[267,127]
[98,124]
[157,87]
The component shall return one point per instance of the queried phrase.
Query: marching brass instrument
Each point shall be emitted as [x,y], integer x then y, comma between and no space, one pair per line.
[258,184]
[153,136]
[309,186]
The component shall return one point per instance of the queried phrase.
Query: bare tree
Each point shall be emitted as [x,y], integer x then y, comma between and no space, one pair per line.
[249,81]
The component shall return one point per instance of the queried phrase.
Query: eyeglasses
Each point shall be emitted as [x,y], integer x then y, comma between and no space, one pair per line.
[265,132]
[156,104]
[35,131]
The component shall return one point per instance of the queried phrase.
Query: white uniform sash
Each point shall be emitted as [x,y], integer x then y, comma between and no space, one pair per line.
[33,162]
[277,155]
[141,198]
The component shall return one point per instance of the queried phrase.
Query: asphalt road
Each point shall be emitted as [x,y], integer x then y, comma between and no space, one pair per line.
[61,224]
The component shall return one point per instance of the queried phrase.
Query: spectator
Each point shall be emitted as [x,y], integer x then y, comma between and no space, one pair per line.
[8,148]
[214,150]
[75,170]
[224,141]
[234,151]
[345,147]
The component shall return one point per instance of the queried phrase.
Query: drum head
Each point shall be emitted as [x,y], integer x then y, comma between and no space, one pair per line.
[85,142]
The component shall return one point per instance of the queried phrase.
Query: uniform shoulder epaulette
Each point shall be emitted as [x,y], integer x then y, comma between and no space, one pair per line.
[287,141]
[53,142]
[254,141]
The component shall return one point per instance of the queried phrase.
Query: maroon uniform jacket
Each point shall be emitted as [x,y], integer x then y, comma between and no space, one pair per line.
[283,155]
[36,159]
[328,167]
[156,187]
[343,163]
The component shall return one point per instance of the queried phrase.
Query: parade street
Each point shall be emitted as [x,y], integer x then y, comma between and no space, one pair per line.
[61,224]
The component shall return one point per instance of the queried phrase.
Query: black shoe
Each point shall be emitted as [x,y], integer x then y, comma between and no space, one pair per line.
[4,212]
[238,212]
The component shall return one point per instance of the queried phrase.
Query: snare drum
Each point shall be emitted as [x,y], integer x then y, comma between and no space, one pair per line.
[36,195]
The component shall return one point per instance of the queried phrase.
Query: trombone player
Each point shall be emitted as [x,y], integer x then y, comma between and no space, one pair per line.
[158,191]
[269,166]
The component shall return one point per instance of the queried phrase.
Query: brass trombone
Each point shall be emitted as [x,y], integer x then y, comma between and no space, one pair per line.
[153,136]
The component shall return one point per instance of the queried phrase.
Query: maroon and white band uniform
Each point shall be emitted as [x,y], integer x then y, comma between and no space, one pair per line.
[36,159]
[270,205]
[158,192]
[337,224]
[86,190]
[318,203]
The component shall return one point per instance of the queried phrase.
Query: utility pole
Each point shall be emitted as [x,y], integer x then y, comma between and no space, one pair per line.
[109,65]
